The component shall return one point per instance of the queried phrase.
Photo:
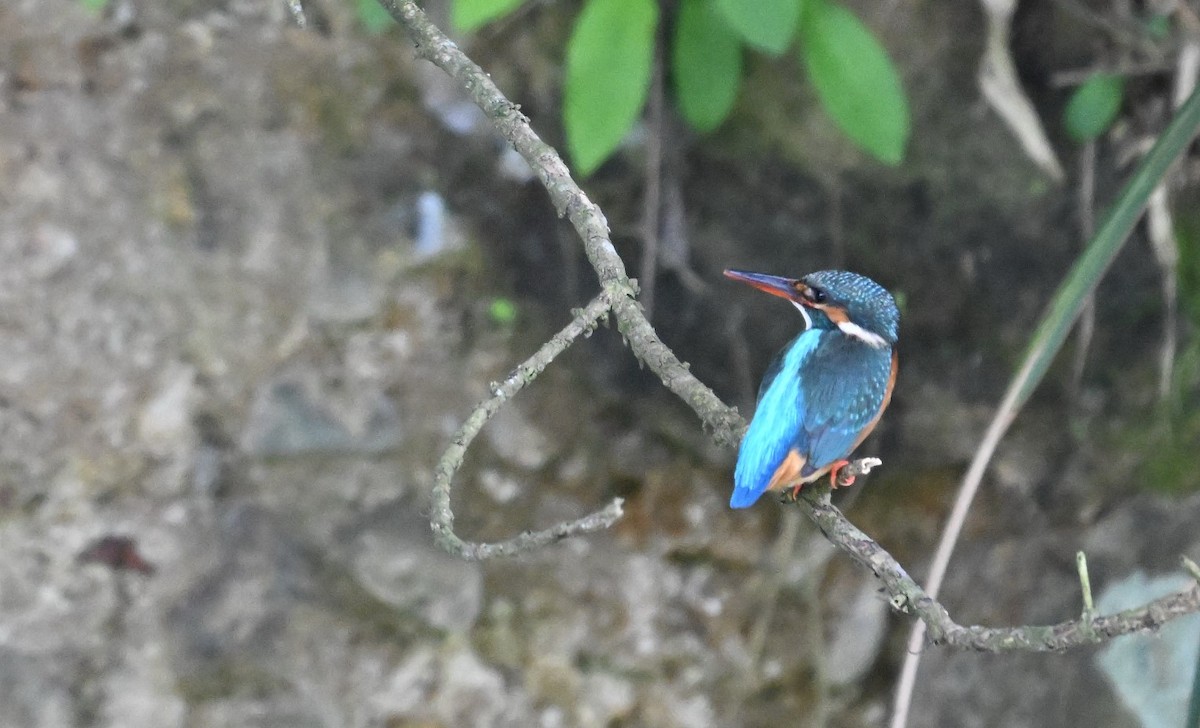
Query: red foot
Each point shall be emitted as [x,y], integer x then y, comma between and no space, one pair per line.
[833,474]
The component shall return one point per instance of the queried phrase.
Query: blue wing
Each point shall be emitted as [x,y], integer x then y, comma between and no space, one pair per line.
[844,387]
[777,423]
[817,398]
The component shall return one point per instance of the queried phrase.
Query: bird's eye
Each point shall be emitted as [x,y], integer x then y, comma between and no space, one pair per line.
[816,295]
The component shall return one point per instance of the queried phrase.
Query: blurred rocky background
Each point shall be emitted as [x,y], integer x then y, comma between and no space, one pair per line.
[252,277]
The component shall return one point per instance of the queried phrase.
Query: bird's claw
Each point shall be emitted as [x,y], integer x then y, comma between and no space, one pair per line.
[836,478]
[790,495]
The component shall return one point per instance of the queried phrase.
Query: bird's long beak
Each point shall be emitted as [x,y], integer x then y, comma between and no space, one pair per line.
[775,285]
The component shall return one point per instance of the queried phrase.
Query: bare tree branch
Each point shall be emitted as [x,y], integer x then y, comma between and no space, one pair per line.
[907,596]
[442,517]
[618,296]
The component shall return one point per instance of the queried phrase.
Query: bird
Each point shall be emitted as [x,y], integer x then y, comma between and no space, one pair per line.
[824,392]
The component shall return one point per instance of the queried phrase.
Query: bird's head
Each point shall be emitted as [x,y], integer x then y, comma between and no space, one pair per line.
[835,299]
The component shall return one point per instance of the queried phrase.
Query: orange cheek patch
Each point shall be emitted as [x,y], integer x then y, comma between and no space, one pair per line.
[836,314]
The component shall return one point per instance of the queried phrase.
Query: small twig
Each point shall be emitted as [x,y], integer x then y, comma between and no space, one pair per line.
[652,194]
[674,245]
[1076,76]
[1085,586]
[1160,228]
[442,517]
[1187,69]
[1190,567]
[1125,35]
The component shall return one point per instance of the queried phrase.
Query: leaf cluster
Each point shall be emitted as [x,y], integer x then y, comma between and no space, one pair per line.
[611,54]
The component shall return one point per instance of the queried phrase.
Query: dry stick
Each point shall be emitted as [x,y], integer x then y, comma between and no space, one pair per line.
[1161,232]
[1085,585]
[1076,76]
[652,195]
[617,296]
[442,517]
[1002,89]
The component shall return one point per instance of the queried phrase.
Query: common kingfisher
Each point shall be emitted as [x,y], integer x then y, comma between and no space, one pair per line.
[824,392]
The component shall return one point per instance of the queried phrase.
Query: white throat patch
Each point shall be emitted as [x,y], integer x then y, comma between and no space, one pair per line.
[807,318]
[870,338]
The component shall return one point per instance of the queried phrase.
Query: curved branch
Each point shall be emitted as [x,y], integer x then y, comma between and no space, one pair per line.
[442,517]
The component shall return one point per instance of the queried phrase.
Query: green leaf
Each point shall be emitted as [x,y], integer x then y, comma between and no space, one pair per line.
[768,25]
[1093,106]
[855,80]
[502,311]
[608,75]
[94,5]
[373,16]
[467,15]
[706,64]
